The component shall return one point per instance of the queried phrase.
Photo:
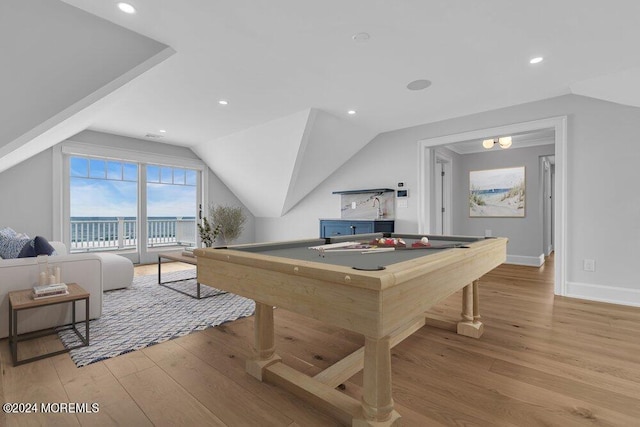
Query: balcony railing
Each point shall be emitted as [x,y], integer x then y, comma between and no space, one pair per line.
[121,233]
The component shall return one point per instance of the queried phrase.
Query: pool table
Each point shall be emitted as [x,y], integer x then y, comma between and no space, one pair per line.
[381,293]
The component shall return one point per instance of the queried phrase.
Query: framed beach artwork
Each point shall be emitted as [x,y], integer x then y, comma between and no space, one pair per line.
[497,193]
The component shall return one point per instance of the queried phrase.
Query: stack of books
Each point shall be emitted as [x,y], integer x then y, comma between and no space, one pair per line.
[46,291]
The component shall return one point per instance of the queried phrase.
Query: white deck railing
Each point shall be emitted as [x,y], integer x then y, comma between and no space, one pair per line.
[92,235]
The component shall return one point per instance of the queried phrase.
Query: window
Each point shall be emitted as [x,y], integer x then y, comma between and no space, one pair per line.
[103,201]
[127,201]
[171,205]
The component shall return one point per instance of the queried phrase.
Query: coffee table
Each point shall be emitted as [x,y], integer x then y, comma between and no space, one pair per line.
[177,256]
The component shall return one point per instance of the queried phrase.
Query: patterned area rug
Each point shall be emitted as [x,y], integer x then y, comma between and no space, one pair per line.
[146,314]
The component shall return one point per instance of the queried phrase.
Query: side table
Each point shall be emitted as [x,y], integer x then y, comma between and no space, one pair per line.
[23,300]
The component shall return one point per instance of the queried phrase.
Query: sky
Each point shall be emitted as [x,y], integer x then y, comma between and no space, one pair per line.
[109,189]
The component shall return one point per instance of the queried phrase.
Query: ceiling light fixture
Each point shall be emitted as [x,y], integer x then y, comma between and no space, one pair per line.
[361,37]
[503,142]
[536,60]
[351,112]
[162,131]
[223,102]
[126,8]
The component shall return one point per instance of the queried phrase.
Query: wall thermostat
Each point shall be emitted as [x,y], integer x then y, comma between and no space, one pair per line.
[402,193]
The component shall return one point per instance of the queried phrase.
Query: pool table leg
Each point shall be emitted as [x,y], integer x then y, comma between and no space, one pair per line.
[377,403]
[470,325]
[264,341]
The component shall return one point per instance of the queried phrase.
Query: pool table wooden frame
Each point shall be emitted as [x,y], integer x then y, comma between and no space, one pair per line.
[385,306]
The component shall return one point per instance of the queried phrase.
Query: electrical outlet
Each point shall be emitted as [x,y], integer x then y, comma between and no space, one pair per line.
[488,233]
[353,205]
[589,265]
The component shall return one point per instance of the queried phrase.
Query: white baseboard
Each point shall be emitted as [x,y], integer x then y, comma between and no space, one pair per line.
[549,250]
[610,294]
[531,261]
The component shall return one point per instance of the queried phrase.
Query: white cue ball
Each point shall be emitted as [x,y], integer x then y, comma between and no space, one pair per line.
[424,240]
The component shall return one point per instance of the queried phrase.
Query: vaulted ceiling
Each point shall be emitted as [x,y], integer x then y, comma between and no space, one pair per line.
[291,69]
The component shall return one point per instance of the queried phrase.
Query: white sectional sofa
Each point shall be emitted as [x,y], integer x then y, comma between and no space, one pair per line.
[94,272]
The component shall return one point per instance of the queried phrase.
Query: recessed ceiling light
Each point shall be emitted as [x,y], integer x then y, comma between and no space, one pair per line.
[536,60]
[126,8]
[419,84]
[223,102]
[361,37]
[351,112]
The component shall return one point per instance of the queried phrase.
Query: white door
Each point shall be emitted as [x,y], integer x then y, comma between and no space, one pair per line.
[442,193]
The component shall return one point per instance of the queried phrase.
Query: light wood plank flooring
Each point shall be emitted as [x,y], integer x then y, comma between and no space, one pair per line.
[542,361]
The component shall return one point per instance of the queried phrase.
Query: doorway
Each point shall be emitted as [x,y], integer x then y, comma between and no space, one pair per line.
[426,158]
[547,175]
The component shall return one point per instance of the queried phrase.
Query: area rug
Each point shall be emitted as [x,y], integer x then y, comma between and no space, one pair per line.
[146,314]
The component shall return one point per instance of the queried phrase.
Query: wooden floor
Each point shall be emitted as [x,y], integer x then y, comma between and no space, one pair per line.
[543,360]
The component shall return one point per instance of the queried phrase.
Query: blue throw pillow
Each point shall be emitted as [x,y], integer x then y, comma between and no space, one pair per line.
[37,246]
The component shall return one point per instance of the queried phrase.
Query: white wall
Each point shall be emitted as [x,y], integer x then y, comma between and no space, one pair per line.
[26,189]
[273,166]
[603,151]
[219,194]
[375,166]
[257,163]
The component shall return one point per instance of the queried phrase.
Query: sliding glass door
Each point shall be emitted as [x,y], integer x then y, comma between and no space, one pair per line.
[131,207]
[103,200]
[171,206]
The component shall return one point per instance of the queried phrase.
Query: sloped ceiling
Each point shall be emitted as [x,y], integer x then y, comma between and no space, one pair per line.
[59,64]
[328,143]
[270,59]
[291,70]
[622,87]
[271,167]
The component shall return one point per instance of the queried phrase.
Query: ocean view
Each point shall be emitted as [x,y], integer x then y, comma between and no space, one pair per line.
[126,218]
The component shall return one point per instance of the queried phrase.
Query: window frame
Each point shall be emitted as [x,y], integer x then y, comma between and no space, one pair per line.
[61,181]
